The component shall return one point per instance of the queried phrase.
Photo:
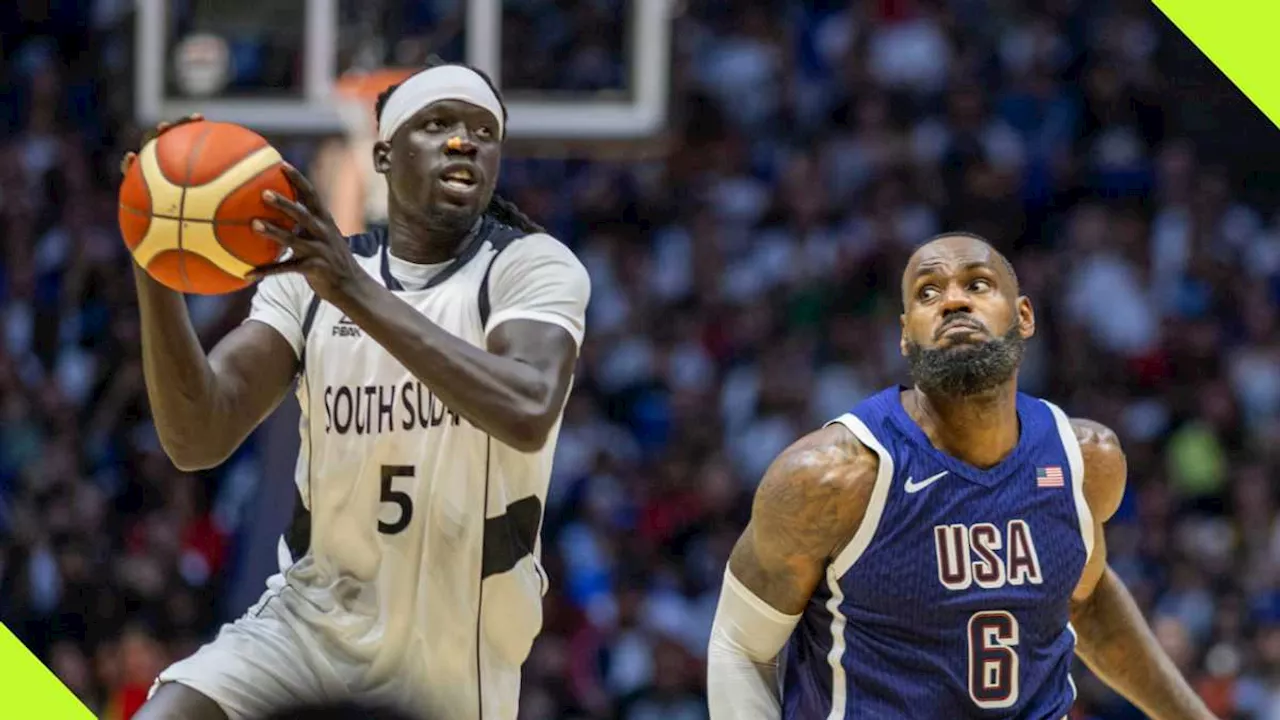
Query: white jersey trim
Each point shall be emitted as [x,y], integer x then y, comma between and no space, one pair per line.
[879,495]
[1071,445]
[835,658]
[1075,640]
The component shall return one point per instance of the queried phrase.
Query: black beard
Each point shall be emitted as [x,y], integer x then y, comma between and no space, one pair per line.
[451,222]
[964,370]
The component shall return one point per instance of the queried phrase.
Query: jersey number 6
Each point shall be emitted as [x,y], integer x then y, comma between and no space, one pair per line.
[993,659]
[398,498]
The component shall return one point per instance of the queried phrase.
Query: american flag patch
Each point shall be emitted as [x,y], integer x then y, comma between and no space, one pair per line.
[1049,476]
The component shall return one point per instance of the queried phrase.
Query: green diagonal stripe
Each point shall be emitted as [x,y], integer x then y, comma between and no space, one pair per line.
[1239,37]
[29,690]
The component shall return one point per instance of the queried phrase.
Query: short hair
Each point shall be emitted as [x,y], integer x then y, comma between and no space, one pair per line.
[499,208]
[1008,266]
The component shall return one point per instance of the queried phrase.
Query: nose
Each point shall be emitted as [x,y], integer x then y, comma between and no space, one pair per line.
[460,144]
[955,300]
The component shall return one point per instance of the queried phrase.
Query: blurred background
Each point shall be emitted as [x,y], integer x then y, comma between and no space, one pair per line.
[744,180]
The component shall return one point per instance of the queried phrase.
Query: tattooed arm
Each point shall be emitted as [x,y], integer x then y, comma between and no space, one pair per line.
[1112,636]
[807,507]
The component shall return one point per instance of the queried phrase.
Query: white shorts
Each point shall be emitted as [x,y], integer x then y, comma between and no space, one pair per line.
[258,664]
[296,648]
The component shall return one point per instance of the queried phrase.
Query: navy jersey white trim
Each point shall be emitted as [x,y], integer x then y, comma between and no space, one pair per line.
[952,599]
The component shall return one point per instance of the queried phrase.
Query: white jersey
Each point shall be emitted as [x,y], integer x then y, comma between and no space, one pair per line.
[415,561]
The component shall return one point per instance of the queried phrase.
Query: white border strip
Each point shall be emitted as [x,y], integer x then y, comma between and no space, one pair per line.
[879,495]
[835,658]
[1071,445]
[849,555]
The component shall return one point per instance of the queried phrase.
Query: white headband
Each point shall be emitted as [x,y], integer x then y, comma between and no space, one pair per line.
[446,82]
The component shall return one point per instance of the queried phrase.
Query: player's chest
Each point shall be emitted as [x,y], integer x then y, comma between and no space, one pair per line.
[338,349]
[356,389]
[947,542]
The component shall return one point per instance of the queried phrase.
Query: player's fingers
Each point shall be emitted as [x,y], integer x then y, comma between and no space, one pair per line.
[277,268]
[268,229]
[306,192]
[127,160]
[297,212]
[166,125]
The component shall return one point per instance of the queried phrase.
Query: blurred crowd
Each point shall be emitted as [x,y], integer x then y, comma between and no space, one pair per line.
[745,291]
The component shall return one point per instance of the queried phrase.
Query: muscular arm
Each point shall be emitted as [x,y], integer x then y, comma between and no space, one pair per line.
[512,390]
[204,407]
[807,507]
[1112,636]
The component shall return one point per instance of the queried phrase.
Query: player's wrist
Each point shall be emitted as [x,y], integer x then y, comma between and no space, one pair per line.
[353,291]
[145,283]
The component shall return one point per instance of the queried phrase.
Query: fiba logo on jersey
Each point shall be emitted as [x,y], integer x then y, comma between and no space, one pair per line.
[202,64]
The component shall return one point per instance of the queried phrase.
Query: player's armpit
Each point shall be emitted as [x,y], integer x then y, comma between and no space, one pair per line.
[1105,476]
[1112,636]
[255,367]
[807,507]
[204,406]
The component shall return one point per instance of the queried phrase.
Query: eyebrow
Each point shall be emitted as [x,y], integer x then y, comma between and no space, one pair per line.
[925,269]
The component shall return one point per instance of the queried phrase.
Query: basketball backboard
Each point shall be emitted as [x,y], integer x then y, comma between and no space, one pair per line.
[572,70]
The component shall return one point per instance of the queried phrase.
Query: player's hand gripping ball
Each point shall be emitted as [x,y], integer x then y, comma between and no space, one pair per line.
[318,251]
[188,199]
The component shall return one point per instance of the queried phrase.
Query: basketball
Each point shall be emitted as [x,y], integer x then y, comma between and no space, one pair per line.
[187,201]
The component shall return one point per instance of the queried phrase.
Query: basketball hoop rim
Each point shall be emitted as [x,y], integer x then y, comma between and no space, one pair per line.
[355,95]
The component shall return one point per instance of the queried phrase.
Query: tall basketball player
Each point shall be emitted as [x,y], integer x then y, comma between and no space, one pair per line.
[938,552]
[432,359]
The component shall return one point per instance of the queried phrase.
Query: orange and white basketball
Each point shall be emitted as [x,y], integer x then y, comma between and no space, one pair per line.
[187,202]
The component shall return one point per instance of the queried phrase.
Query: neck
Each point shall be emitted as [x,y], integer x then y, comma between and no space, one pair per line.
[979,429]
[417,239]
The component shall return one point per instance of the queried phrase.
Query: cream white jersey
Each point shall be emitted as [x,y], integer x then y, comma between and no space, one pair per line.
[414,559]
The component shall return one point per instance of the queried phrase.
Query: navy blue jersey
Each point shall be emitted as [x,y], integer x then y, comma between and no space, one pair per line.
[951,600]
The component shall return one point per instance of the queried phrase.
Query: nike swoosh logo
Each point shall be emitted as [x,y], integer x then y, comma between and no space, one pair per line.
[914,487]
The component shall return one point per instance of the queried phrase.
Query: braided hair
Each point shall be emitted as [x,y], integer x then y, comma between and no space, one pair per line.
[499,208]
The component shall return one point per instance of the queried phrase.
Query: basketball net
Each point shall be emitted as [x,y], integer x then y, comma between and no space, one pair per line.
[356,194]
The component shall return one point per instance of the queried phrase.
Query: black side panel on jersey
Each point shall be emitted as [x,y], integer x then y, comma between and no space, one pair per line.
[298,535]
[511,536]
[366,244]
[307,321]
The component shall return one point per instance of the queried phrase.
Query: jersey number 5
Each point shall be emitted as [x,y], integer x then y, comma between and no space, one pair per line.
[399,498]
[993,659]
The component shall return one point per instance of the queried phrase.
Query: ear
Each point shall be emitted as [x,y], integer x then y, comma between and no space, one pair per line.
[902,336]
[1026,318]
[382,157]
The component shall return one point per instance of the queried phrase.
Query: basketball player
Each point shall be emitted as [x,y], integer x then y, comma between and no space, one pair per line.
[432,360]
[938,552]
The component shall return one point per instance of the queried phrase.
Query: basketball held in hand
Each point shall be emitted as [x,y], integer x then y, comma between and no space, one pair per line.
[188,199]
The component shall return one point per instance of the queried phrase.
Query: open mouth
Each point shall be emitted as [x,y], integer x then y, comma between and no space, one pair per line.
[459,179]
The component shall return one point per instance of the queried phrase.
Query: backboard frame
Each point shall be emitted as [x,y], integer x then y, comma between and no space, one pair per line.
[642,114]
